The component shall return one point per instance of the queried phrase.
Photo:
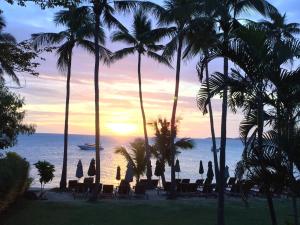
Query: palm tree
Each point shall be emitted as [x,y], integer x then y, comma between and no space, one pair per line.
[136,157]
[143,41]
[78,31]
[161,147]
[102,15]
[225,14]
[201,38]
[15,57]
[177,14]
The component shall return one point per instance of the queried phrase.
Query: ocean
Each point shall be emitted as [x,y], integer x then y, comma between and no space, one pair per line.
[49,147]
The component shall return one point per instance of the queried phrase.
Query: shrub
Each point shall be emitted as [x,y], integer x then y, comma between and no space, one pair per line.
[14,179]
[46,173]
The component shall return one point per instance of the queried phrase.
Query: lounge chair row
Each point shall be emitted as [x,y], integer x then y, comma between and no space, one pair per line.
[85,189]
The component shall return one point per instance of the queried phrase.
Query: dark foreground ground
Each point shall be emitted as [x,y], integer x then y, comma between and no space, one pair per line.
[132,212]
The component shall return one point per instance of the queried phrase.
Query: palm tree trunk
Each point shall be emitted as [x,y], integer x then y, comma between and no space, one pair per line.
[173,119]
[212,128]
[221,218]
[144,122]
[63,180]
[271,208]
[97,13]
[96,86]
[163,179]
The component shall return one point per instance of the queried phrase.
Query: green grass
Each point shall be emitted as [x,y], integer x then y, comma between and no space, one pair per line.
[180,212]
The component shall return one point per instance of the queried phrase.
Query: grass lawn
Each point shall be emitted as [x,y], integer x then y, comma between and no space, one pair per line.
[122,212]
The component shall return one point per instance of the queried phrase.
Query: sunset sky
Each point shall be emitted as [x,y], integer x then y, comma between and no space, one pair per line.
[119,102]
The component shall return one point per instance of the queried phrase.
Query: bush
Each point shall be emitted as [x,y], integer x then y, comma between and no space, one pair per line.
[14,179]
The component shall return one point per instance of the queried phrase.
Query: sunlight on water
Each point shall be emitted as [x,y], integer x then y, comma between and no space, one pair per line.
[50,147]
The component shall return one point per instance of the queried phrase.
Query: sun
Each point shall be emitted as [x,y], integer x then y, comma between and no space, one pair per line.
[122,128]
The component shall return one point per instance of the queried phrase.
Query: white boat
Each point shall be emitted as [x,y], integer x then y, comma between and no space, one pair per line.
[88,147]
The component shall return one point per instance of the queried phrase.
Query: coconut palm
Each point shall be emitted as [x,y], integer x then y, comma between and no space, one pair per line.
[201,38]
[14,57]
[136,156]
[143,41]
[161,148]
[225,15]
[6,40]
[102,15]
[79,30]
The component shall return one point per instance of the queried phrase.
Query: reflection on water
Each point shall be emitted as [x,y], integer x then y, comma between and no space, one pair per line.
[50,147]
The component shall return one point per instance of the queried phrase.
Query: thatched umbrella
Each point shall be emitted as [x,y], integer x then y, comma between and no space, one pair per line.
[79,170]
[149,173]
[210,172]
[177,167]
[129,173]
[118,176]
[92,168]
[159,168]
[226,174]
[201,169]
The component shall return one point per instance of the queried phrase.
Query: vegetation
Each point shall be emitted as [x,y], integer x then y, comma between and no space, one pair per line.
[136,157]
[263,83]
[143,41]
[79,29]
[46,173]
[14,179]
[11,112]
[161,149]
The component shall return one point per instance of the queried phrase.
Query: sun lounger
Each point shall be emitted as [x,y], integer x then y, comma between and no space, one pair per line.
[124,190]
[185,181]
[107,191]
[199,182]
[140,191]
[72,185]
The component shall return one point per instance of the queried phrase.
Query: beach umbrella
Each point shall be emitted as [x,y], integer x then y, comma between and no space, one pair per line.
[129,173]
[92,168]
[226,174]
[159,168]
[79,170]
[177,167]
[118,176]
[201,170]
[210,172]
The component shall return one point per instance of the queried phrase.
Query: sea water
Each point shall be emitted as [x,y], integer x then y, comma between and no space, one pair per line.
[49,147]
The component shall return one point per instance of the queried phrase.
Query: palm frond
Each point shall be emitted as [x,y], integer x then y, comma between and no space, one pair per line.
[159,58]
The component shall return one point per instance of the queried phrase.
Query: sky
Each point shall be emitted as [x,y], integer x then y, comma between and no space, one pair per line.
[119,102]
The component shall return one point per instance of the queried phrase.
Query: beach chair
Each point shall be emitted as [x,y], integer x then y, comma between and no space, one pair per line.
[154,183]
[199,182]
[177,181]
[140,191]
[185,181]
[167,187]
[107,191]
[208,189]
[123,191]
[72,184]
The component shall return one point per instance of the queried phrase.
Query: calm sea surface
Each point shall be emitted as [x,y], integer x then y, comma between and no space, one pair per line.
[50,147]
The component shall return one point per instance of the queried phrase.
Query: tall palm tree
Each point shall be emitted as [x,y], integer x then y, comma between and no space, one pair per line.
[143,41]
[136,157]
[103,15]
[177,14]
[225,14]
[201,38]
[79,30]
